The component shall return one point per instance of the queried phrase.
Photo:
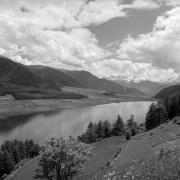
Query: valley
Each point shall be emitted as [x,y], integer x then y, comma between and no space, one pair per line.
[11,107]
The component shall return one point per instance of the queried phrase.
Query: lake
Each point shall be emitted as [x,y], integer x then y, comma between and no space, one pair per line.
[67,122]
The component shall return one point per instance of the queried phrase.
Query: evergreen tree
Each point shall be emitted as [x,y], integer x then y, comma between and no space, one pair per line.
[107,128]
[16,154]
[173,105]
[8,161]
[7,146]
[132,126]
[14,151]
[100,130]
[91,133]
[22,150]
[2,164]
[118,127]
[156,115]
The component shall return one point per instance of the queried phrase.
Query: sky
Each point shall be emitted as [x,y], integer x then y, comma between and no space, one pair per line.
[116,39]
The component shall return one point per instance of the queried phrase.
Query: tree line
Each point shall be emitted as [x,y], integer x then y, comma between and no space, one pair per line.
[163,111]
[12,152]
[103,129]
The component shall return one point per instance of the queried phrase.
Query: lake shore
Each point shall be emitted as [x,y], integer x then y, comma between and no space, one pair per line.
[10,108]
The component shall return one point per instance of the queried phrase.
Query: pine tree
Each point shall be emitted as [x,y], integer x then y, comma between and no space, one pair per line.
[132,126]
[16,154]
[2,164]
[100,130]
[156,115]
[107,128]
[118,127]
[8,161]
[22,150]
[173,105]
[91,133]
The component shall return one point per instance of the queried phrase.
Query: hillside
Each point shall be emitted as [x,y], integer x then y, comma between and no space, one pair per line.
[24,82]
[148,87]
[15,73]
[88,80]
[141,147]
[56,78]
[168,91]
[135,92]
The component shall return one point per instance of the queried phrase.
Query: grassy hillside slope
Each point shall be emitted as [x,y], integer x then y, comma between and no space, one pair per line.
[24,82]
[168,91]
[88,80]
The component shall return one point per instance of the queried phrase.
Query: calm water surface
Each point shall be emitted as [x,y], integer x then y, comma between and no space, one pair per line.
[68,122]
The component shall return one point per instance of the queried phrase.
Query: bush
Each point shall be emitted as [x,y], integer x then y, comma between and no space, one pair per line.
[128,135]
[62,159]
[133,132]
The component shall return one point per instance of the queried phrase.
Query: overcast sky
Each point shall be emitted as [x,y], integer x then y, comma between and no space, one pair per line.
[110,38]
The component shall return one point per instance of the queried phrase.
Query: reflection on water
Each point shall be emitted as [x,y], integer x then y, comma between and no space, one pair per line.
[68,122]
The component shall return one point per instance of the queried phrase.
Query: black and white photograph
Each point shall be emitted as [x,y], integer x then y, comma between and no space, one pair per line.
[89,89]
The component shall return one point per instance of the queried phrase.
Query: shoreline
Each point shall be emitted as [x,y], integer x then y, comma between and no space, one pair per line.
[11,108]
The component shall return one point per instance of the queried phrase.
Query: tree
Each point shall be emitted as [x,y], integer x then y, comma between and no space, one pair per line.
[16,154]
[14,151]
[7,146]
[62,159]
[90,136]
[118,127]
[2,165]
[172,104]
[22,150]
[132,126]
[107,128]
[8,161]
[100,130]
[156,115]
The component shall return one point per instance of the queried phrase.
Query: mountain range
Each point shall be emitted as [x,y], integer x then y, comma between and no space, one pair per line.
[15,77]
[148,87]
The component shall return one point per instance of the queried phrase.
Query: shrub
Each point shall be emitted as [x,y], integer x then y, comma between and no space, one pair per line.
[62,159]
[128,135]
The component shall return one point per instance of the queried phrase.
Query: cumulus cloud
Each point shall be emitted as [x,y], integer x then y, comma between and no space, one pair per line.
[116,68]
[76,47]
[56,33]
[69,13]
[159,47]
[170,2]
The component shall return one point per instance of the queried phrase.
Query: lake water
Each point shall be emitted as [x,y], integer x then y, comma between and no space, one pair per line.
[67,122]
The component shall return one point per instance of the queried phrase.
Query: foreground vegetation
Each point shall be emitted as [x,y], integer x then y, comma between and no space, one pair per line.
[12,152]
[103,130]
[62,159]
[165,165]
[163,111]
